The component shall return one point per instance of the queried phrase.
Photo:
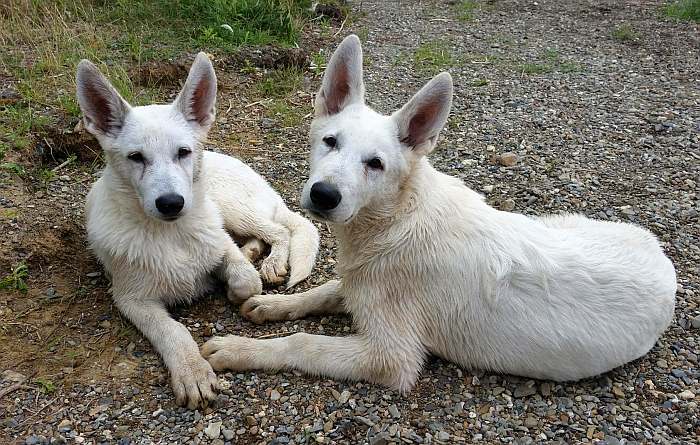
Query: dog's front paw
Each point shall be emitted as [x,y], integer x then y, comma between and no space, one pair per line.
[274,269]
[243,282]
[231,352]
[262,308]
[194,382]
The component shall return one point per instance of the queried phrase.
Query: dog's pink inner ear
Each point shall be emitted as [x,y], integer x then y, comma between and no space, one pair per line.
[101,114]
[199,103]
[420,125]
[340,90]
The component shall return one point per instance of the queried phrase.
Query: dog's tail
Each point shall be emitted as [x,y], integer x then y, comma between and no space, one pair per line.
[303,246]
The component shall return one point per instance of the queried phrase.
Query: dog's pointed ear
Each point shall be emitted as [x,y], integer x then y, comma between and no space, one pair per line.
[197,100]
[419,121]
[103,108]
[342,82]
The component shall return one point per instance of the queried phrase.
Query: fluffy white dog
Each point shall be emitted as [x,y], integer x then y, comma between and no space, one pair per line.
[427,267]
[158,217]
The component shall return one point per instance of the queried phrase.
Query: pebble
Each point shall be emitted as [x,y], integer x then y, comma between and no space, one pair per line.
[275,395]
[686,395]
[213,430]
[228,434]
[525,390]
[695,323]
[394,411]
[508,159]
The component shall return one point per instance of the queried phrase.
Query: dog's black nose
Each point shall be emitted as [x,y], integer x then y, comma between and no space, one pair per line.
[325,196]
[170,205]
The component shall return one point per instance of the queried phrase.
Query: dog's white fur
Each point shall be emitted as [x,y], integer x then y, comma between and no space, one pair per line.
[428,267]
[155,263]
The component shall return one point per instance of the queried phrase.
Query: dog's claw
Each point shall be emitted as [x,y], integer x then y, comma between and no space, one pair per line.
[196,385]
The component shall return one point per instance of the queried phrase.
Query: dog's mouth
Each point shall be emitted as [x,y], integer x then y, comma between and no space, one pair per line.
[169,218]
[323,217]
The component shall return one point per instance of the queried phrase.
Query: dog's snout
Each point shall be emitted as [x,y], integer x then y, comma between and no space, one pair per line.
[325,196]
[170,205]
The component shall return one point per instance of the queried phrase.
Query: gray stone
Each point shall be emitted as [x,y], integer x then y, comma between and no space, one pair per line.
[213,430]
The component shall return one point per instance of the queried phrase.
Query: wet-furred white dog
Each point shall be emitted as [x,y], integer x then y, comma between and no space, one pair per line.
[427,267]
[158,217]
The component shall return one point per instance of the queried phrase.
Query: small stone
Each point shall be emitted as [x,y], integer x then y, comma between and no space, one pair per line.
[661,363]
[327,427]
[13,376]
[343,397]
[687,395]
[394,411]
[65,425]
[219,327]
[676,428]
[250,420]
[545,389]
[508,159]
[59,440]
[507,205]
[525,390]
[531,422]
[443,436]
[105,324]
[379,439]
[32,440]
[93,274]
[619,393]
[213,430]
[266,122]
[275,395]
[695,323]
[487,188]
[228,434]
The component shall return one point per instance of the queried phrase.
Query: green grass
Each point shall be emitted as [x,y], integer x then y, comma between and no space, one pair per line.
[281,82]
[684,10]
[41,42]
[432,57]
[13,167]
[625,33]
[466,10]
[46,386]
[287,115]
[480,83]
[16,280]
[551,61]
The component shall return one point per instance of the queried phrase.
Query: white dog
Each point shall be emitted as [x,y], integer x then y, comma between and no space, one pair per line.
[427,266]
[159,215]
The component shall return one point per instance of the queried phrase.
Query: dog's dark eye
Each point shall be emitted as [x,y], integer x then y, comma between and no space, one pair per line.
[375,163]
[135,156]
[183,152]
[330,141]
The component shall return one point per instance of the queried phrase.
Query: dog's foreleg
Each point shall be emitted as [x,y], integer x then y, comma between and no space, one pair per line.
[242,280]
[390,359]
[324,299]
[252,249]
[192,378]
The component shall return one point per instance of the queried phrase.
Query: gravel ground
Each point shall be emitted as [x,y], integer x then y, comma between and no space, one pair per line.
[552,114]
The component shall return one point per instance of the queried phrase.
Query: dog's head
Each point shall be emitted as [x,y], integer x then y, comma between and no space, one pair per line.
[360,158]
[155,150]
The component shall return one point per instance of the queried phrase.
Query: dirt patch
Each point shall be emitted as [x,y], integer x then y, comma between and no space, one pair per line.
[269,56]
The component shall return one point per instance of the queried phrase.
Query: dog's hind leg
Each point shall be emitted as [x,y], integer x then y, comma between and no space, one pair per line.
[252,249]
[193,380]
[324,299]
[274,267]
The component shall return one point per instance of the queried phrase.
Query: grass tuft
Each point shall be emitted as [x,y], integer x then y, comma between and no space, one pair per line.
[432,57]
[625,33]
[684,10]
[16,280]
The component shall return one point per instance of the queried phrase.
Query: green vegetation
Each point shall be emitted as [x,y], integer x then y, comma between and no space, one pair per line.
[42,41]
[280,82]
[684,10]
[480,83]
[432,57]
[551,62]
[625,33]
[16,279]
[466,10]
[46,386]
[13,167]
